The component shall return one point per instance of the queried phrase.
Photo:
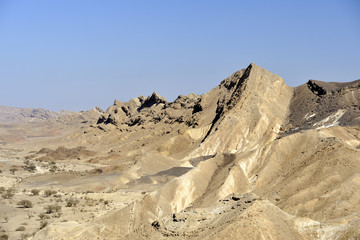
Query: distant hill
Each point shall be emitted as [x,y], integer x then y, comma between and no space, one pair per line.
[20,124]
[12,115]
[21,115]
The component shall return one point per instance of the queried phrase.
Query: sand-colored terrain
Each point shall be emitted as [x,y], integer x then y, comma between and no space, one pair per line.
[251,159]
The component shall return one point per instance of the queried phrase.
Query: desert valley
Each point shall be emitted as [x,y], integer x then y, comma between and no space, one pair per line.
[251,159]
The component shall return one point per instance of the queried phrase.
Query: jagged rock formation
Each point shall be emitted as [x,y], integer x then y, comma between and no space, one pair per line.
[252,157]
[141,111]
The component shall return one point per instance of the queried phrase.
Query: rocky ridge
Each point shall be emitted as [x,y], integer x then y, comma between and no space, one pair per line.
[252,157]
[319,104]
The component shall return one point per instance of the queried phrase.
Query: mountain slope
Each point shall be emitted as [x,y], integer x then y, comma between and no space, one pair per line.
[251,159]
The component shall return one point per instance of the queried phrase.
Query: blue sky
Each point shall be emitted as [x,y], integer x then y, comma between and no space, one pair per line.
[79,54]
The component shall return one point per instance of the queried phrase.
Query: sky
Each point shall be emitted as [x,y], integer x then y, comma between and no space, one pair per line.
[76,55]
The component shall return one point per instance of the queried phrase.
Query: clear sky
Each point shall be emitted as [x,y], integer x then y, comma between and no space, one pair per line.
[78,54]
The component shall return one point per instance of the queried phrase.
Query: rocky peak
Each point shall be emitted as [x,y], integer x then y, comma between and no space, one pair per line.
[98,109]
[315,87]
[254,81]
[155,98]
[253,103]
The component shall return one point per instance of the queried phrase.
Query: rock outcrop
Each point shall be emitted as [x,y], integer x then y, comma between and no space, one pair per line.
[319,104]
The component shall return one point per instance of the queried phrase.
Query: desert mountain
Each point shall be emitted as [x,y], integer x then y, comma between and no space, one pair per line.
[16,115]
[20,124]
[251,159]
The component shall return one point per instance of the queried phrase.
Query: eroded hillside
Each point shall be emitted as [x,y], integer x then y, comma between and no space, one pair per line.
[251,159]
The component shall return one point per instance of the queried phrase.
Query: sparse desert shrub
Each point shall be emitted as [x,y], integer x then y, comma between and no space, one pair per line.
[35,192]
[31,167]
[4,237]
[48,193]
[53,168]
[25,203]
[71,202]
[52,209]
[13,170]
[25,236]
[57,195]
[21,228]
[6,218]
[57,215]
[43,224]
[0,171]
[2,189]
[9,193]
[43,216]
[98,171]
